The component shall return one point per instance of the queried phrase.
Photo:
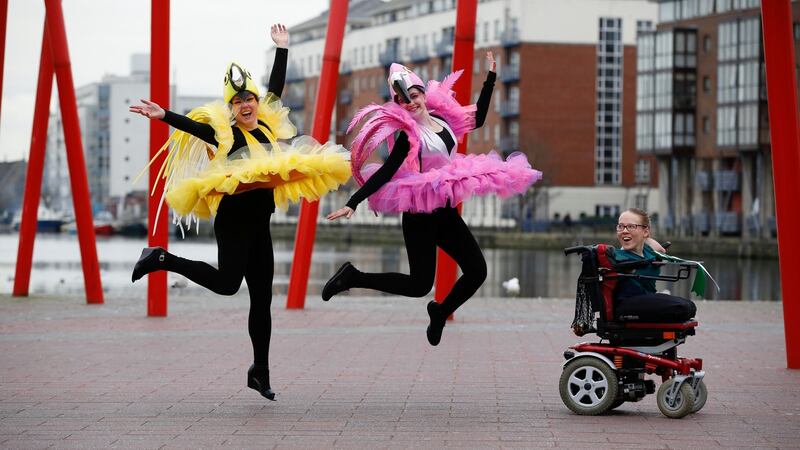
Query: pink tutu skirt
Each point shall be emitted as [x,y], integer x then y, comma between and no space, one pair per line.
[465,176]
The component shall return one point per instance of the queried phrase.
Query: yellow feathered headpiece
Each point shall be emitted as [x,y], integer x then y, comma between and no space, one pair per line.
[238,79]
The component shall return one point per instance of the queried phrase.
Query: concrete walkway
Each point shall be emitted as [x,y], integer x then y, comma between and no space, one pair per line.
[357,372]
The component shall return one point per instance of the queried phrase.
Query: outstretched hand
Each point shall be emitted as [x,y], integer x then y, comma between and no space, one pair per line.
[342,212]
[150,110]
[491,61]
[280,35]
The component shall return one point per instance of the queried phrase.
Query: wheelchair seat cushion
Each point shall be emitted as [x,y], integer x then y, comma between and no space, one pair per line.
[654,308]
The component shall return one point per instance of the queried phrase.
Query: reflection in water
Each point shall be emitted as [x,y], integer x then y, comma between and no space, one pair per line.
[541,273]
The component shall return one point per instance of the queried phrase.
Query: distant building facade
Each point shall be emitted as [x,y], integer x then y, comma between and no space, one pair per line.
[565,93]
[12,187]
[115,142]
[702,113]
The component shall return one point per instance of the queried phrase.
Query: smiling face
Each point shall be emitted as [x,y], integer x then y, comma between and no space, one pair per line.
[632,230]
[417,106]
[245,110]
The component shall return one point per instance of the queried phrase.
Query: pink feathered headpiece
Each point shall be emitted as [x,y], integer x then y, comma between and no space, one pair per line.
[399,72]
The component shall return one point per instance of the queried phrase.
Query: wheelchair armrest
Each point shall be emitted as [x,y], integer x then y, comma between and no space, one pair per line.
[630,265]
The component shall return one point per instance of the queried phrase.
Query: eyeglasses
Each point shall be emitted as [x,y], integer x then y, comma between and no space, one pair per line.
[629,226]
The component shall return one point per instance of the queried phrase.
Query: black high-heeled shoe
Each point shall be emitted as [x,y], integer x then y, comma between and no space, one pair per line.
[258,379]
[436,326]
[339,282]
[151,259]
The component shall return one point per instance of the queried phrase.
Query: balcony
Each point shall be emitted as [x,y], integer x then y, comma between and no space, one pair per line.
[509,108]
[702,180]
[509,73]
[388,56]
[701,223]
[509,144]
[444,47]
[346,68]
[294,74]
[345,97]
[510,37]
[726,181]
[728,222]
[419,54]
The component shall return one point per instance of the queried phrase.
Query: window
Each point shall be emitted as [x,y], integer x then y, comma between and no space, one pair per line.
[642,171]
[644,131]
[707,43]
[608,115]
[706,84]
[666,11]
[739,80]
[644,26]
[640,201]
[726,126]
[706,7]
[706,125]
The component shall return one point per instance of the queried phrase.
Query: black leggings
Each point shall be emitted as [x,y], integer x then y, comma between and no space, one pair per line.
[244,247]
[442,228]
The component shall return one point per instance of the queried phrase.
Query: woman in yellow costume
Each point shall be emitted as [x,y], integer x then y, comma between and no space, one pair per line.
[225,160]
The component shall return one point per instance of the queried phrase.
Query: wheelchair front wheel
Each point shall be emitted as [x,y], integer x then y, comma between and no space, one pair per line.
[680,405]
[700,396]
[588,386]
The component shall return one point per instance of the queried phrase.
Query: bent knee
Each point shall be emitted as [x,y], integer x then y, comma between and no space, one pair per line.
[477,271]
[230,287]
[421,288]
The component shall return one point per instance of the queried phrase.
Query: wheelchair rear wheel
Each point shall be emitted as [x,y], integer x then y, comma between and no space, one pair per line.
[588,386]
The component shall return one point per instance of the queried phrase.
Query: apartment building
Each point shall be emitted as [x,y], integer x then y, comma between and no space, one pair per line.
[702,113]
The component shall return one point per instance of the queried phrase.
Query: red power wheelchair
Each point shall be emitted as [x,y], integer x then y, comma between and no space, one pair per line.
[598,377]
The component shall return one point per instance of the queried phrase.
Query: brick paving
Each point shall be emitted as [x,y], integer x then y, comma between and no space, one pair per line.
[357,372]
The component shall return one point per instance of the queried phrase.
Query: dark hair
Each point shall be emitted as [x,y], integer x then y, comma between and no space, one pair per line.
[641,213]
[243,95]
[396,98]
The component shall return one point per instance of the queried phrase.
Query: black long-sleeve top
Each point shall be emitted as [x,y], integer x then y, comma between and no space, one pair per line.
[401,147]
[204,131]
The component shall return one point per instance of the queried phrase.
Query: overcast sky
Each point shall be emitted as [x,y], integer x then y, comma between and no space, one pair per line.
[102,34]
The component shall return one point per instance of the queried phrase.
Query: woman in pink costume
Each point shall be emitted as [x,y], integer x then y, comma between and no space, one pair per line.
[424,178]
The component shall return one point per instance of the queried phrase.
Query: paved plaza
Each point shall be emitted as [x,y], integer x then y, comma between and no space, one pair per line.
[357,372]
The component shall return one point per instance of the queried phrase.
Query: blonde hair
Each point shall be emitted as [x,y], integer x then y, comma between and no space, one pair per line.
[641,213]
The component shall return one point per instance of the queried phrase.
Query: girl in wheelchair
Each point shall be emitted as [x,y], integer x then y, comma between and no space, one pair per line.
[636,299]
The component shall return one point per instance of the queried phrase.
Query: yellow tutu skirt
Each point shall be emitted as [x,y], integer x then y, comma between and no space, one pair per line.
[305,169]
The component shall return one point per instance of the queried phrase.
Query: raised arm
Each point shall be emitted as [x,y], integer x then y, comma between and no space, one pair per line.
[152,110]
[486,92]
[277,78]
[378,179]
